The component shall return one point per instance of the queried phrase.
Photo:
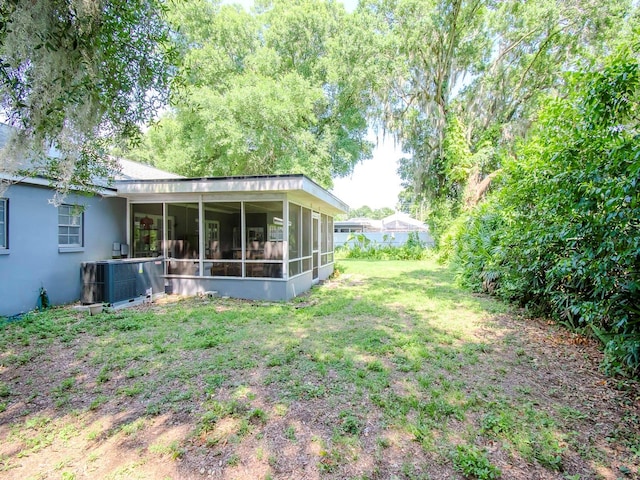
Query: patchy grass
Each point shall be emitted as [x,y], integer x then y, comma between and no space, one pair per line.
[388,371]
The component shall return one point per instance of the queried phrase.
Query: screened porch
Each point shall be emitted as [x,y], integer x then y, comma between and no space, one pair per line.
[241,239]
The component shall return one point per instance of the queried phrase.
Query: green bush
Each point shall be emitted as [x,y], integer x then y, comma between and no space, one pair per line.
[358,246]
[562,232]
[473,463]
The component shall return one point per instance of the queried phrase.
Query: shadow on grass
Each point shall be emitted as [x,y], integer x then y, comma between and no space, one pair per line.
[380,372]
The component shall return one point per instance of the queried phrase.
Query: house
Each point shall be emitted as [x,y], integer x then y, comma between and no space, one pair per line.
[393,230]
[255,237]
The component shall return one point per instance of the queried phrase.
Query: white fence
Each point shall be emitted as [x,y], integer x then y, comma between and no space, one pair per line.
[395,239]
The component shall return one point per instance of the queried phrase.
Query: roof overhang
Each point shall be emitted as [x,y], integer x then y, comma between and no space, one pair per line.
[296,186]
[103,191]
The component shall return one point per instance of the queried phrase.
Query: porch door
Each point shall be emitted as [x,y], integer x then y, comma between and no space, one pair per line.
[315,250]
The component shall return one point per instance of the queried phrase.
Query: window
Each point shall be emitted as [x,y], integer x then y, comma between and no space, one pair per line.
[146,227]
[70,219]
[4,213]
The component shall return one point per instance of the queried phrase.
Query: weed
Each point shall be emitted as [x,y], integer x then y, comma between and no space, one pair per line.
[349,423]
[104,375]
[132,390]
[474,463]
[133,427]
[569,413]
[375,366]
[171,450]
[290,433]
[258,416]
[383,442]
[330,460]
[4,390]
[97,401]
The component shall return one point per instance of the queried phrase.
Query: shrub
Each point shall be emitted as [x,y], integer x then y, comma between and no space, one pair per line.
[562,234]
[359,246]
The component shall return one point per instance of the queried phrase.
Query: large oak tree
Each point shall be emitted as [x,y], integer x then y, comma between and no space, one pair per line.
[77,76]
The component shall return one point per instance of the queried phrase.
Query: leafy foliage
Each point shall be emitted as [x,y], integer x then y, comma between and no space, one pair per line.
[268,92]
[563,234]
[359,246]
[367,212]
[473,463]
[77,76]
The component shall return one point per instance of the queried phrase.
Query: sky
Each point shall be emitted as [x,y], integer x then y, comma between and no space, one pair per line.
[374,182]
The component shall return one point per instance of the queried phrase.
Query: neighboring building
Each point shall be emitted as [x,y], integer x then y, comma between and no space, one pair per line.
[358,225]
[259,237]
[393,230]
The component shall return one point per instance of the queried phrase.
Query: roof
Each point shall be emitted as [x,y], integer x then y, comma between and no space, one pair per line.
[399,221]
[403,221]
[360,222]
[298,186]
[130,170]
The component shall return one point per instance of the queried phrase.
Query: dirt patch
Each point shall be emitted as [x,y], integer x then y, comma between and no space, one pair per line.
[324,387]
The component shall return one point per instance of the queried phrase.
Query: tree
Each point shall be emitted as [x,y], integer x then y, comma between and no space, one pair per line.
[267,94]
[562,233]
[469,77]
[77,76]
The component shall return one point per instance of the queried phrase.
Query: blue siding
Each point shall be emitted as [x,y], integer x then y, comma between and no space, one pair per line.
[34,260]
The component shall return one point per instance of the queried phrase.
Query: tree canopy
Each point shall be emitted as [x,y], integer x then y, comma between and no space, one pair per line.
[470,76]
[267,93]
[76,77]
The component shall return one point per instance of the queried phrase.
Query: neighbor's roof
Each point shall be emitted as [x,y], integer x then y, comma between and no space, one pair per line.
[360,222]
[403,221]
[399,221]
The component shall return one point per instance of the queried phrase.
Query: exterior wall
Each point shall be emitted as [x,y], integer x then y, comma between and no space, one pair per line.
[395,239]
[34,259]
[247,288]
[325,271]
[299,284]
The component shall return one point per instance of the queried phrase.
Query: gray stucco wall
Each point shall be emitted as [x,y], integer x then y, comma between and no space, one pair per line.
[34,259]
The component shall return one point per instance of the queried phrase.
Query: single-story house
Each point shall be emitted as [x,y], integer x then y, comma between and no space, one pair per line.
[393,230]
[254,237]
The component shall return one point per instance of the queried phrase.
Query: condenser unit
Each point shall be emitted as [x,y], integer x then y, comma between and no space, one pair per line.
[113,281]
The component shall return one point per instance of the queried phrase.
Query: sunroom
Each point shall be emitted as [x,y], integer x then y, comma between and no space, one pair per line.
[254,237]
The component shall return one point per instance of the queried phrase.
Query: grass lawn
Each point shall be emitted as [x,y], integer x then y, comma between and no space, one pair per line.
[388,371]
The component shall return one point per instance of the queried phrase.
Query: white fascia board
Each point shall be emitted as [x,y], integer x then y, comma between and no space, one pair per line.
[204,185]
[136,190]
[324,195]
[43,182]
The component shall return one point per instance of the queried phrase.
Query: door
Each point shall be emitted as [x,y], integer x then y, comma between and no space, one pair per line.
[212,239]
[315,242]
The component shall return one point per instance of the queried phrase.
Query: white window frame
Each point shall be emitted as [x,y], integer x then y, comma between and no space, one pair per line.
[4,224]
[76,221]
